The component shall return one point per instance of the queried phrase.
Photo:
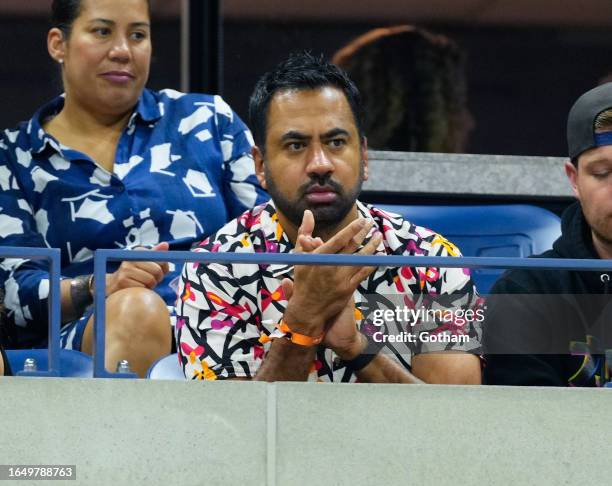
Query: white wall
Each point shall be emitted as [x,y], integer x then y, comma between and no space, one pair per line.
[144,432]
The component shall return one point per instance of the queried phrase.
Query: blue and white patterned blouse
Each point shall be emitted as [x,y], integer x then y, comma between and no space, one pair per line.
[183,169]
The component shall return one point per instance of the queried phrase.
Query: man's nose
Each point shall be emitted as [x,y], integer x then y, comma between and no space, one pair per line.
[319,161]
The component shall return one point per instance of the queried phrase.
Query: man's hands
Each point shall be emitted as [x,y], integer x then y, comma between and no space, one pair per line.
[343,336]
[138,274]
[320,299]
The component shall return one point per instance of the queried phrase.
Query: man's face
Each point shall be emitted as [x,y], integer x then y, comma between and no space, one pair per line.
[592,184]
[314,158]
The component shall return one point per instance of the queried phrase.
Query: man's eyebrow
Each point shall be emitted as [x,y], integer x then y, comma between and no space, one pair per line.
[112,22]
[334,132]
[294,135]
[599,162]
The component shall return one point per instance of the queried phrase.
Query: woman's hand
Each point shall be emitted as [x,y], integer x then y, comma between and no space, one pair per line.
[138,274]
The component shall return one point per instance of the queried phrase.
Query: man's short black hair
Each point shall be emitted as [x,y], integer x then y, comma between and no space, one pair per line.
[301,71]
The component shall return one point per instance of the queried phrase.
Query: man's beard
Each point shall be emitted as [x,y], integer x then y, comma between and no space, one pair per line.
[603,233]
[326,216]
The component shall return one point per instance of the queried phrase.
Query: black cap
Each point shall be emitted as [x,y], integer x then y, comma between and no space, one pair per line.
[581,119]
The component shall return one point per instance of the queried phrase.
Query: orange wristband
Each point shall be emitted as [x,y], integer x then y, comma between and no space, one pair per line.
[296,338]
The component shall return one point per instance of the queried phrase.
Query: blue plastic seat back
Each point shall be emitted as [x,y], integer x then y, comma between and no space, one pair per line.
[166,368]
[508,230]
[73,364]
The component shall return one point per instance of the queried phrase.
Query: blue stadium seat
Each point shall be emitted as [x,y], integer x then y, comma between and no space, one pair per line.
[73,364]
[167,368]
[510,230]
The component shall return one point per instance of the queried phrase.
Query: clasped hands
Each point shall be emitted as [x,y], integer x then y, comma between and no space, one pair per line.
[320,298]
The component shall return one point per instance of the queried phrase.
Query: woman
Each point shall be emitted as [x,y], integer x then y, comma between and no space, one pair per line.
[114,165]
[413,84]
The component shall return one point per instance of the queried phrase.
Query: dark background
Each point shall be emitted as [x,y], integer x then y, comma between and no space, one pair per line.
[522,81]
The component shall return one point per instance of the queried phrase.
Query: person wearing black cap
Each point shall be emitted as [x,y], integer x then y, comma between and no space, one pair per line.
[550,327]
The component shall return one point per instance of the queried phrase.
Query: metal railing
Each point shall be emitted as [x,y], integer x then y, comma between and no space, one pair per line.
[103,256]
[53,255]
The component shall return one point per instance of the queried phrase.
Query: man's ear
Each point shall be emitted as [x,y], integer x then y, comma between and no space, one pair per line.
[364,158]
[56,44]
[259,165]
[572,174]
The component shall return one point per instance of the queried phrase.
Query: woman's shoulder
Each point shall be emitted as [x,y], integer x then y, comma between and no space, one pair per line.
[173,98]
[28,135]
[17,143]
[177,103]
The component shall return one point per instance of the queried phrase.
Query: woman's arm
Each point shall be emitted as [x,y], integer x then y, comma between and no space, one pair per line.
[242,190]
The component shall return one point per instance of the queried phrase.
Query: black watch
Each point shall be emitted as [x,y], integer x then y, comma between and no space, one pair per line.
[364,359]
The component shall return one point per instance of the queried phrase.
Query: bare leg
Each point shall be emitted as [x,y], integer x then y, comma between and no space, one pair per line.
[137,329]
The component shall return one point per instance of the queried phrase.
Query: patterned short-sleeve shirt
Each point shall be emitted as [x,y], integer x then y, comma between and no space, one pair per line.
[183,168]
[225,309]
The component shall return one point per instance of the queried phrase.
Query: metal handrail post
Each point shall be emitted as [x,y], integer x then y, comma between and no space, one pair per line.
[53,255]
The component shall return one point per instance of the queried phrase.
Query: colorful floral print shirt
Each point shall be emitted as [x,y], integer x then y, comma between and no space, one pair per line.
[226,311]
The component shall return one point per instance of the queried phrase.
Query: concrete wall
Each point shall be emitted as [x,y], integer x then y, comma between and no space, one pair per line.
[134,432]
[501,175]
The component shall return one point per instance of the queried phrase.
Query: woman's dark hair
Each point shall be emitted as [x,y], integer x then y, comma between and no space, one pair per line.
[413,85]
[301,71]
[65,12]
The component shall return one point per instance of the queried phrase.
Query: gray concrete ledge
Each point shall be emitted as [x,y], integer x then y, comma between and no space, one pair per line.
[131,432]
[407,172]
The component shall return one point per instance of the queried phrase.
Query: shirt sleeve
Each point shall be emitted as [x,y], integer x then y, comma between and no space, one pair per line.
[218,321]
[26,282]
[242,189]
[453,312]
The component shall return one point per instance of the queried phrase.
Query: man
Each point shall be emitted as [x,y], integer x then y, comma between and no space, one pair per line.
[547,327]
[276,322]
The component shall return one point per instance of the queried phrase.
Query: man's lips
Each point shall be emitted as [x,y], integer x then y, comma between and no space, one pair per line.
[321,195]
[119,77]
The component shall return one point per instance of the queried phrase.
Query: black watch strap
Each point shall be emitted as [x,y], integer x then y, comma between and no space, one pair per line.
[365,358]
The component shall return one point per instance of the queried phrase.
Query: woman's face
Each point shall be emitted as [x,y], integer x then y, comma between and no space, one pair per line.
[106,58]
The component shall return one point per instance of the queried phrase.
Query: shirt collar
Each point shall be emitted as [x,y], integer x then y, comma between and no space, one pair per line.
[379,225]
[363,210]
[39,139]
[273,239]
[146,110]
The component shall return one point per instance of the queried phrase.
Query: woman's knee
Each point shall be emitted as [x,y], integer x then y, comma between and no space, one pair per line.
[137,310]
